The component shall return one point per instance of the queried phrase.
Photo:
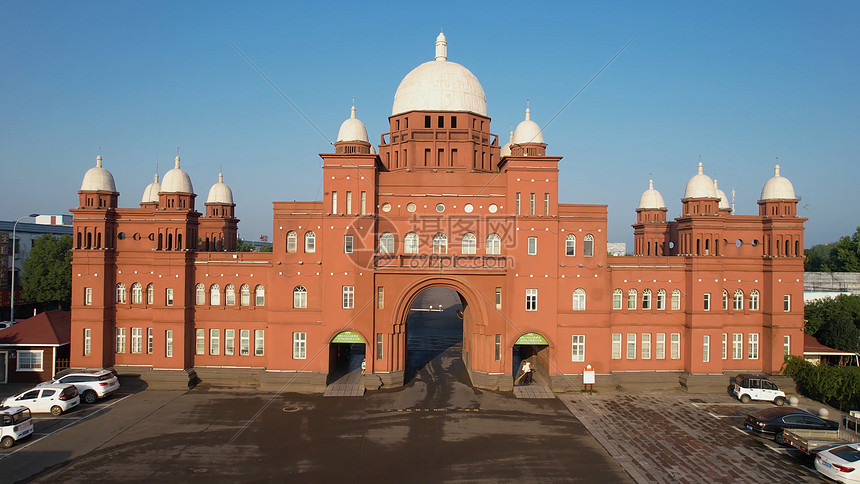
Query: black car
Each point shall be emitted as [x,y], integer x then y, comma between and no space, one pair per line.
[775,420]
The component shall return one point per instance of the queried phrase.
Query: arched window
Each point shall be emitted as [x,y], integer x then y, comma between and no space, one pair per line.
[631,299]
[469,244]
[150,294]
[739,300]
[300,297]
[259,295]
[245,295]
[200,294]
[676,299]
[579,299]
[386,243]
[230,295]
[292,241]
[410,243]
[120,293]
[310,243]
[494,244]
[617,298]
[215,295]
[646,299]
[570,245]
[440,243]
[588,250]
[661,300]
[754,300]
[725,300]
[136,293]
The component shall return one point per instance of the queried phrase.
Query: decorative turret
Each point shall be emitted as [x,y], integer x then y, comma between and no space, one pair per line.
[650,231]
[506,149]
[98,189]
[176,190]
[219,228]
[724,206]
[352,136]
[777,197]
[150,194]
[700,197]
[528,138]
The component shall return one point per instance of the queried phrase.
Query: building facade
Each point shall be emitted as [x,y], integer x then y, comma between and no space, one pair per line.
[439,201]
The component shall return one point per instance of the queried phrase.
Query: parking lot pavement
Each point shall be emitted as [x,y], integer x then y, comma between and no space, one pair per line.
[685,438]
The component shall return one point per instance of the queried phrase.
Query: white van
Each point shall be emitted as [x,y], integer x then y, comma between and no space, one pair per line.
[15,424]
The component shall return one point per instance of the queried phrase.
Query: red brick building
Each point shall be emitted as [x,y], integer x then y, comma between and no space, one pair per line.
[437,202]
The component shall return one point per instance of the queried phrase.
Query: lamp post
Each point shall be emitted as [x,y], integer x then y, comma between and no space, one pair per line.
[12,266]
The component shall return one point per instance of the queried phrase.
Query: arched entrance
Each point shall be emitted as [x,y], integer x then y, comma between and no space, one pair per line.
[533,348]
[435,335]
[347,352]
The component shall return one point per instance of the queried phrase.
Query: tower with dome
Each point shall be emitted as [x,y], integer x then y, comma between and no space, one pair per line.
[437,201]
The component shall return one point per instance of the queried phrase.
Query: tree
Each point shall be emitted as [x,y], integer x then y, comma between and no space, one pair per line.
[243,246]
[47,275]
[835,321]
[840,256]
[266,248]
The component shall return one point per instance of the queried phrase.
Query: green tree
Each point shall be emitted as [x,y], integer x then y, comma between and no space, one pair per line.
[47,275]
[840,256]
[841,334]
[243,246]
[266,248]
[836,322]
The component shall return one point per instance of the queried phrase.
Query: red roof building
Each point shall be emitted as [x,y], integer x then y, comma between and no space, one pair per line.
[36,348]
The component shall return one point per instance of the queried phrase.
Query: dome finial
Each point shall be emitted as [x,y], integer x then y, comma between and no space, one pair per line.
[220,178]
[156,178]
[99,160]
[651,184]
[441,47]
[776,170]
[176,162]
[701,168]
[352,111]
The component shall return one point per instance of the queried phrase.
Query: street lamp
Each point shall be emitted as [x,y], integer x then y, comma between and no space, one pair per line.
[12,266]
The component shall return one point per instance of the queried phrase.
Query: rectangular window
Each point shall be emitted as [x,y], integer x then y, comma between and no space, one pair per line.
[244,342]
[168,343]
[379,345]
[333,202]
[259,342]
[577,347]
[120,340]
[200,346]
[498,347]
[380,297]
[631,299]
[707,302]
[300,343]
[546,204]
[660,349]
[88,341]
[453,121]
[150,294]
[616,299]
[616,346]
[347,244]
[725,352]
[88,296]
[706,348]
[675,350]
[168,298]
[214,341]
[531,299]
[631,346]
[786,302]
[646,346]
[229,341]
[30,360]
[136,340]
[532,245]
[661,300]
[426,121]
[364,203]
[531,203]
[786,345]
[753,346]
[348,299]
[737,346]
[498,298]
[676,300]
[441,121]
[348,202]
[517,203]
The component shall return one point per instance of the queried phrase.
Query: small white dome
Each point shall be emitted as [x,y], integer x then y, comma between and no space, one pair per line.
[352,129]
[176,181]
[150,194]
[506,149]
[778,188]
[372,150]
[700,186]
[220,192]
[651,198]
[98,179]
[527,131]
[440,85]
[724,200]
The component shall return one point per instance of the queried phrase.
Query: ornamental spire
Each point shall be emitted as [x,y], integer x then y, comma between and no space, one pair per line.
[441,47]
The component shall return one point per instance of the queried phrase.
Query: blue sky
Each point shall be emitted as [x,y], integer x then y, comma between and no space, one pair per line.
[739,83]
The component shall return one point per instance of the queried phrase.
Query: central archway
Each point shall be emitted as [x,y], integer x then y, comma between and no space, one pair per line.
[434,335]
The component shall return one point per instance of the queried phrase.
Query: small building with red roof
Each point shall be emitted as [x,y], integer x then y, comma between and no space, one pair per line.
[36,348]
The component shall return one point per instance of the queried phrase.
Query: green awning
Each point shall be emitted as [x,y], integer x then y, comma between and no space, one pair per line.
[348,337]
[531,339]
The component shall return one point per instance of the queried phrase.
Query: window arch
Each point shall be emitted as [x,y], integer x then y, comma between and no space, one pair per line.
[200,294]
[725,300]
[120,293]
[579,299]
[386,243]
[292,241]
[300,297]
[310,243]
[259,295]
[136,293]
[469,244]
[230,295]
[215,295]
[410,243]
[661,299]
[588,250]
[676,299]
[570,245]
[754,300]
[739,300]
[440,243]
[150,294]
[631,299]
[494,244]
[646,299]
[245,295]
[617,298]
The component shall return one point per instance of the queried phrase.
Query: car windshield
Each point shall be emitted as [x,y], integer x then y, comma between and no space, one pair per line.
[846,453]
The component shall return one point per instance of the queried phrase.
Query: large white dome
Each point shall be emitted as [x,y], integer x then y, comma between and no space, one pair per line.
[220,192]
[700,186]
[150,193]
[778,188]
[527,131]
[98,179]
[651,198]
[176,181]
[440,85]
[352,129]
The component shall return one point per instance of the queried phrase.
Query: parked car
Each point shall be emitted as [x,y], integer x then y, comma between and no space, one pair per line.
[54,398]
[15,424]
[91,384]
[840,463]
[756,387]
[772,421]
[811,441]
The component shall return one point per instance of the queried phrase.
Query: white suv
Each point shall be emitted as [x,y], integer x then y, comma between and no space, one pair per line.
[46,398]
[756,387]
[91,384]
